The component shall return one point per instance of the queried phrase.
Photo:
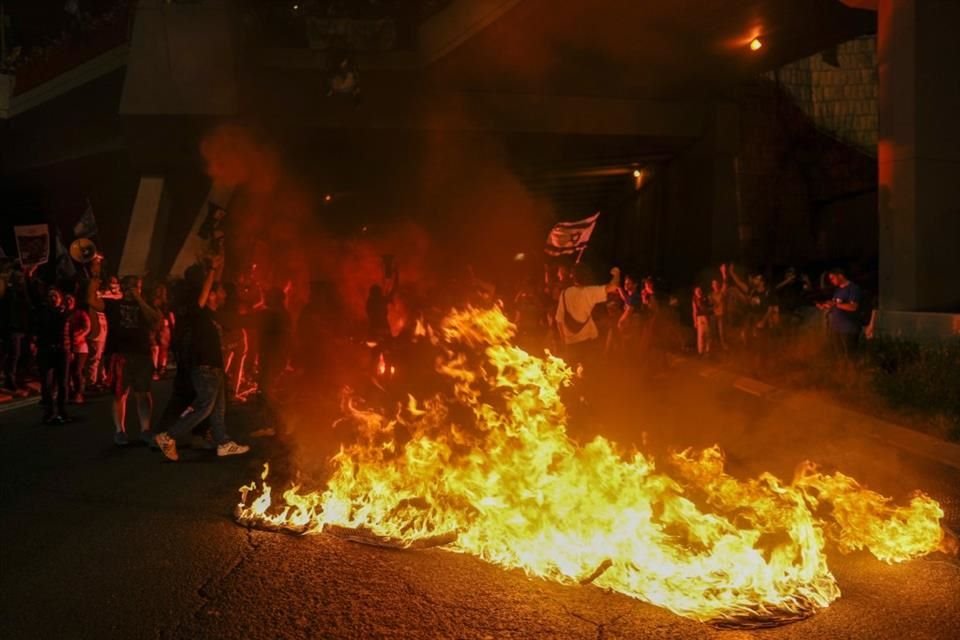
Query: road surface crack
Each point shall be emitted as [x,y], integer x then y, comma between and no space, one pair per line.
[601,627]
[206,591]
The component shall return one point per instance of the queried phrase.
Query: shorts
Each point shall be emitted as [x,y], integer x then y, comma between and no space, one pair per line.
[130,371]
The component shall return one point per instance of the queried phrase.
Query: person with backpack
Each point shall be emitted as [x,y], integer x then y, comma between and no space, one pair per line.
[574,313]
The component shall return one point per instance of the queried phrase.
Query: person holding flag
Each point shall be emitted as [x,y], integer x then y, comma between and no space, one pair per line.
[574,313]
[86,226]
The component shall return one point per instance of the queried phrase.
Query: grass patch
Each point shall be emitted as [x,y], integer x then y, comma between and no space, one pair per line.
[919,377]
[913,384]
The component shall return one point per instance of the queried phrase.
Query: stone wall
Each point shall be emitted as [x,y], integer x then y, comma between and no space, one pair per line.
[806,167]
[838,89]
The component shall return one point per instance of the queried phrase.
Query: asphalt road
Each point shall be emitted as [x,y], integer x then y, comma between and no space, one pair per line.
[101,542]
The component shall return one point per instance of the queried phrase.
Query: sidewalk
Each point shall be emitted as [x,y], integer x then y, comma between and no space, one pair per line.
[868,426]
[29,397]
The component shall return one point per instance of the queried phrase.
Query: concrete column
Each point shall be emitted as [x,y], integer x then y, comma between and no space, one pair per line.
[141,249]
[918,160]
[183,59]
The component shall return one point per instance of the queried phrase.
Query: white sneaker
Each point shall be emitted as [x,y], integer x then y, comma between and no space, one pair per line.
[231,448]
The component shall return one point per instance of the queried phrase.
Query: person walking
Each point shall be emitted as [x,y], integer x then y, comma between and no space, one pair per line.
[203,345]
[77,328]
[15,317]
[160,337]
[96,343]
[52,350]
[718,299]
[131,320]
[702,312]
[624,334]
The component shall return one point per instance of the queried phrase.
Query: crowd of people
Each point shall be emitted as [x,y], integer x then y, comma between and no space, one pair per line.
[97,334]
[625,317]
[726,310]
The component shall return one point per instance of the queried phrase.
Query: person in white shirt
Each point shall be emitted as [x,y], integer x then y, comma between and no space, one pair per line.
[574,312]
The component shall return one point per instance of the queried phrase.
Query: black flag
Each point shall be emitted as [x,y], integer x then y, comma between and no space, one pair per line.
[86,226]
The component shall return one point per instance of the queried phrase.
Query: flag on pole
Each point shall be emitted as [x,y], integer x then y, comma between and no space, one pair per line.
[33,244]
[86,226]
[65,267]
[568,238]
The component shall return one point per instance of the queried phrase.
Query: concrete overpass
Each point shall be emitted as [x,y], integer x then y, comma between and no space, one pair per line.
[651,78]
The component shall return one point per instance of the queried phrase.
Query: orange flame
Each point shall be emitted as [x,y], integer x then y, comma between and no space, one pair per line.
[514,489]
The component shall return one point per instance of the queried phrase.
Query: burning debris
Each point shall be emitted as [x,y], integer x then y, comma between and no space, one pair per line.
[510,486]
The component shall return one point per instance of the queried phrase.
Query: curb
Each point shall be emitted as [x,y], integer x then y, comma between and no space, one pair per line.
[19,404]
[915,442]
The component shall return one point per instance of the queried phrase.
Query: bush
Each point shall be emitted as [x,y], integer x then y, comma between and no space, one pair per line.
[925,377]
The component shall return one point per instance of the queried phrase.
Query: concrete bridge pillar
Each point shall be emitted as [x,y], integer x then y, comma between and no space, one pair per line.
[919,166]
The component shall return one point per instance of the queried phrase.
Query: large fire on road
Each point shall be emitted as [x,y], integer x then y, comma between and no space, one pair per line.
[506,483]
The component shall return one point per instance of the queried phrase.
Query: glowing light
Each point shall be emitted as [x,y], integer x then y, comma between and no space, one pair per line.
[381,366]
[520,257]
[756,44]
[637,173]
[327,198]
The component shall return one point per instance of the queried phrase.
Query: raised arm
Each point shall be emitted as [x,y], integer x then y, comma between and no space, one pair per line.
[787,280]
[614,285]
[740,284]
[152,315]
[213,274]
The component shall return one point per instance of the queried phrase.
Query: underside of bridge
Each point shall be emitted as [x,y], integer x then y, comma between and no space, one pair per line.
[493,117]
